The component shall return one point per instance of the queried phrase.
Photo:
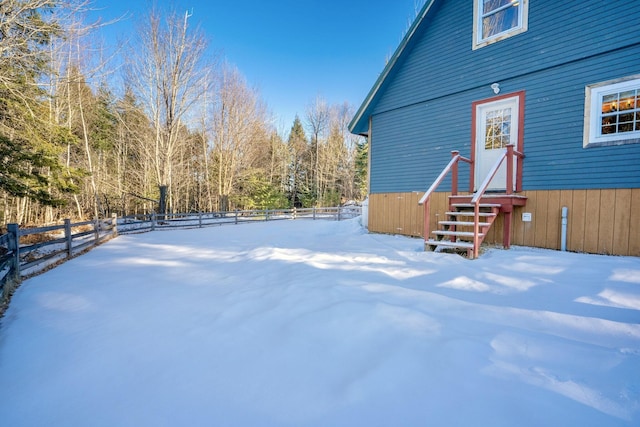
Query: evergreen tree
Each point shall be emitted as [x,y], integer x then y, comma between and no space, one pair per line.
[297,144]
[23,36]
[362,166]
[29,144]
[32,174]
[256,192]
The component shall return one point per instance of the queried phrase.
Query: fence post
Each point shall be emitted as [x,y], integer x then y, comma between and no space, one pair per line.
[153,221]
[267,214]
[14,246]
[199,219]
[114,223]
[96,231]
[294,212]
[339,211]
[313,210]
[67,236]
[236,216]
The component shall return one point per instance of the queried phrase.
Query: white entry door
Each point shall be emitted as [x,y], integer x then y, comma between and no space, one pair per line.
[496,126]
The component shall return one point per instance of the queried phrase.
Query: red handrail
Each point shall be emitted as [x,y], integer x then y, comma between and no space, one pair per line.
[452,167]
[508,154]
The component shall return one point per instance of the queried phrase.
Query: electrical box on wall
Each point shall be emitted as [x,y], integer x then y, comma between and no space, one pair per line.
[526,216]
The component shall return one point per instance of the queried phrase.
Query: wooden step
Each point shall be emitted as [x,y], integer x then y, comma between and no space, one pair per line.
[471,205]
[464,223]
[449,244]
[455,233]
[497,198]
[467,213]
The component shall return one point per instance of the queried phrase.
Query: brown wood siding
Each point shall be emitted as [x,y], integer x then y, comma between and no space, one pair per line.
[397,213]
[621,224]
[599,221]
[576,233]
[634,223]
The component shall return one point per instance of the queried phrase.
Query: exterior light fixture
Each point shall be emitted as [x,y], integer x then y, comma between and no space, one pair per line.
[496,88]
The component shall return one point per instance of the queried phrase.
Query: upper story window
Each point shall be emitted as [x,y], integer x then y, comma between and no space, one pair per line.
[496,20]
[612,112]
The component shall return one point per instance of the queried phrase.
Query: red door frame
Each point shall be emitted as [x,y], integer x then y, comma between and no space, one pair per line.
[520,144]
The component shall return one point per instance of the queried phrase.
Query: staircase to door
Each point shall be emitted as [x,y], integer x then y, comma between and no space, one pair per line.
[457,232]
[469,217]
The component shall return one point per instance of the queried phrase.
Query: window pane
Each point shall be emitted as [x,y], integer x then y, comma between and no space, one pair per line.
[500,21]
[625,127]
[497,128]
[626,100]
[628,117]
[489,138]
[609,125]
[489,6]
[609,103]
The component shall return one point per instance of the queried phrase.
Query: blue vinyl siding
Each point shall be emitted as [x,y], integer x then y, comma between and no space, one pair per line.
[411,146]
[441,61]
[423,110]
[554,125]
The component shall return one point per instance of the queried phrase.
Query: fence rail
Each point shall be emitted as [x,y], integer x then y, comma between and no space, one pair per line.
[141,223]
[27,251]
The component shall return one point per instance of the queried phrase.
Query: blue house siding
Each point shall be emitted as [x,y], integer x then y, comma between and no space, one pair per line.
[440,60]
[410,146]
[424,110]
[554,128]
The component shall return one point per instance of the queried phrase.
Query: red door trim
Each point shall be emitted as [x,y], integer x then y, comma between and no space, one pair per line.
[520,144]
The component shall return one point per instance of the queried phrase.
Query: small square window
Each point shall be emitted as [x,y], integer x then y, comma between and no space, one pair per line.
[495,20]
[612,112]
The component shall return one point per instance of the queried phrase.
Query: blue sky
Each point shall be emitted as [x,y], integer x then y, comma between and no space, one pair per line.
[293,50]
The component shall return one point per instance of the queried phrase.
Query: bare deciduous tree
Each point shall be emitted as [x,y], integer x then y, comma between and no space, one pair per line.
[167,72]
[238,120]
[317,116]
[332,163]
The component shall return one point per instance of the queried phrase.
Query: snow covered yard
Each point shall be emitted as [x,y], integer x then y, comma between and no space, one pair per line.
[321,324]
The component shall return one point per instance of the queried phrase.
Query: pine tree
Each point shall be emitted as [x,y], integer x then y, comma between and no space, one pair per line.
[298,146]
[362,166]
[29,144]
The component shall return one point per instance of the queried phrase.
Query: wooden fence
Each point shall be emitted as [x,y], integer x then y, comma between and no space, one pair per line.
[140,223]
[28,251]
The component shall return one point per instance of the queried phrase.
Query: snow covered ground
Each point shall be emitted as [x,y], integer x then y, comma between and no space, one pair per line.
[321,324]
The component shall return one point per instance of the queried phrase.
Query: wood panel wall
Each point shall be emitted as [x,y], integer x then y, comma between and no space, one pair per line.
[599,221]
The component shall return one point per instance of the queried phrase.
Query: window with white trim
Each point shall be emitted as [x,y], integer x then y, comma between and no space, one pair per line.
[495,20]
[612,112]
